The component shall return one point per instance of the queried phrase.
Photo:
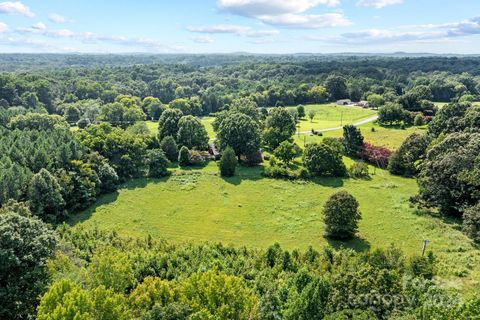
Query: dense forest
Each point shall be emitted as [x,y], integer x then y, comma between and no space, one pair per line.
[72,128]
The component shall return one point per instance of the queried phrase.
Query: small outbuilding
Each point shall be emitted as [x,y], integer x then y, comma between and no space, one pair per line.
[344,102]
[363,104]
[212,149]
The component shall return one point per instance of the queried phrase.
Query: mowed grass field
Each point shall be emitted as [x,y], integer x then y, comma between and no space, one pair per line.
[390,137]
[251,210]
[332,116]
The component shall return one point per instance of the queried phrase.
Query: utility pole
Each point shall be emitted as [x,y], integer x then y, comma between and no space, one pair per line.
[424,246]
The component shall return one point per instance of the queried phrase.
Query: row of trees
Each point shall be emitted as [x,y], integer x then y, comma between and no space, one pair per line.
[446,164]
[85,93]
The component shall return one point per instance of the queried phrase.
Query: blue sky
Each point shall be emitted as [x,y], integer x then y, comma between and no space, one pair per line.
[258,26]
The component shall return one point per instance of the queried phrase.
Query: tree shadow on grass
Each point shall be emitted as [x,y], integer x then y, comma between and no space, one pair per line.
[332,182]
[245,173]
[86,214]
[140,183]
[454,222]
[358,244]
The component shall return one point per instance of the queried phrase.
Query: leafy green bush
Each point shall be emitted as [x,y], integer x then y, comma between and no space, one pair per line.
[184,156]
[228,162]
[359,170]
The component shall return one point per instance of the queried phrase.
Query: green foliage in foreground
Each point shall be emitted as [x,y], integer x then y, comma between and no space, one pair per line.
[25,245]
[146,279]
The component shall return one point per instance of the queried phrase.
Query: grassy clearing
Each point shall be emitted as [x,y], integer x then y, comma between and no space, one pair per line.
[198,205]
[332,116]
[390,137]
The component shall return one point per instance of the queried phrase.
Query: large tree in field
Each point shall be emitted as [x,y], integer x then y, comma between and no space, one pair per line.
[168,123]
[336,87]
[45,196]
[26,243]
[322,160]
[192,133]
[279,127]
[240,132]
[341,215]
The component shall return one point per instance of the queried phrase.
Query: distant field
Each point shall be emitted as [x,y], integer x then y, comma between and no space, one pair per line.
[390,137]
[250,210]
[327,116]
[331,116]
[207,122]
[440,104]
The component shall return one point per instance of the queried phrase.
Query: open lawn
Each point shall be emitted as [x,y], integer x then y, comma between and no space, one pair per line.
[390,137]
[250,210]
[331,116]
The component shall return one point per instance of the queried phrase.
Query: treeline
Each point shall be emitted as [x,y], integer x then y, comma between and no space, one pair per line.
[446,163]
[200,88]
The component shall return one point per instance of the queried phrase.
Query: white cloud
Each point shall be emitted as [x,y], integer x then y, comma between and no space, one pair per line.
[15,8]
[57,18]
[308,21]
[286,13]
[233,29]
[420,33]
[63,33]
[378,4]
[41,29]
[254,8]
[3,27]
[203,39]
[146,43]
[39,26]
